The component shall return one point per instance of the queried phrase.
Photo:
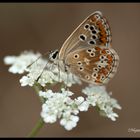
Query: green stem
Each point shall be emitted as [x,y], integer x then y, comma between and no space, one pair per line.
[40,122]
[37,127]
[37,88]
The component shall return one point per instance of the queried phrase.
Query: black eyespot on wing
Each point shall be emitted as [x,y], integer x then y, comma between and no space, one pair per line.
[91,27]
[81,68]
[76,56]
[94,32]
[82,37]
[92,54]
[94,37]
[99,66]
[87,77]
[79,63]
[86,26]
[95,75]
[91,42]
[89,50]
[102,57]
[95,69]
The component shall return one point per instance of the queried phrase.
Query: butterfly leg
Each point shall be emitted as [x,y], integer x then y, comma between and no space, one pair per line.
[42,72]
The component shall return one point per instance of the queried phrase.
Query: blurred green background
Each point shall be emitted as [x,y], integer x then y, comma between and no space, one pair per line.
[45,26]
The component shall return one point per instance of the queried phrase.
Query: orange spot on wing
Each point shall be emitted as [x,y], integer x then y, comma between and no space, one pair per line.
[99,23]
[108,67]
[97,48]
[103,33]
[109,57]
[103,71]
[103,40]
[102,28]
[98,81]
[103,51]
[98,77]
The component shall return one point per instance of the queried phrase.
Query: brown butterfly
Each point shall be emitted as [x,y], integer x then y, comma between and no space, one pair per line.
[87,52]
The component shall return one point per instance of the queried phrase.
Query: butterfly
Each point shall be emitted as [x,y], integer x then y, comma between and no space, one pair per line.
[88,53]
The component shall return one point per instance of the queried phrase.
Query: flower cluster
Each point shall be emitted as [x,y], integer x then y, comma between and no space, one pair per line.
[60,105]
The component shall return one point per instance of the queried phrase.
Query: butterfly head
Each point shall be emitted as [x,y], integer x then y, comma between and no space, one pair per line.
[53,55]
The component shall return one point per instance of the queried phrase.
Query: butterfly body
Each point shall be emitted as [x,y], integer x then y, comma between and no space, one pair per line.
[87,52]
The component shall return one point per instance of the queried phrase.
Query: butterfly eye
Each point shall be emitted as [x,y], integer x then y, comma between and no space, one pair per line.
[53,55]
[82,37]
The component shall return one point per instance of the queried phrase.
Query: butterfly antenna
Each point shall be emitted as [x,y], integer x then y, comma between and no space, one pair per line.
[38,59]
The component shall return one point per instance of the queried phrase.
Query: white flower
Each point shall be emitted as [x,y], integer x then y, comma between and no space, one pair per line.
[98,96]
[79,100]
[47,94]
[60,105]
[57,106]
[9,60]
[19,63]
[84,106]
[25,80]
[69,123]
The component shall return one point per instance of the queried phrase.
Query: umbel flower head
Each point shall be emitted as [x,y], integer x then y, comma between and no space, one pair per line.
[60,105]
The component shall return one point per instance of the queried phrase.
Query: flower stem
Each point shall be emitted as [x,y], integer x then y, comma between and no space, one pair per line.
[40,122]
[37,88]
[37,127]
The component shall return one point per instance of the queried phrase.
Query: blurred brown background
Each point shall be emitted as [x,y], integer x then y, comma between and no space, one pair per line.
[41,27]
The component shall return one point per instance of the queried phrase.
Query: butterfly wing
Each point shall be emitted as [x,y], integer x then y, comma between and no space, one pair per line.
[94,30]
[94,64]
